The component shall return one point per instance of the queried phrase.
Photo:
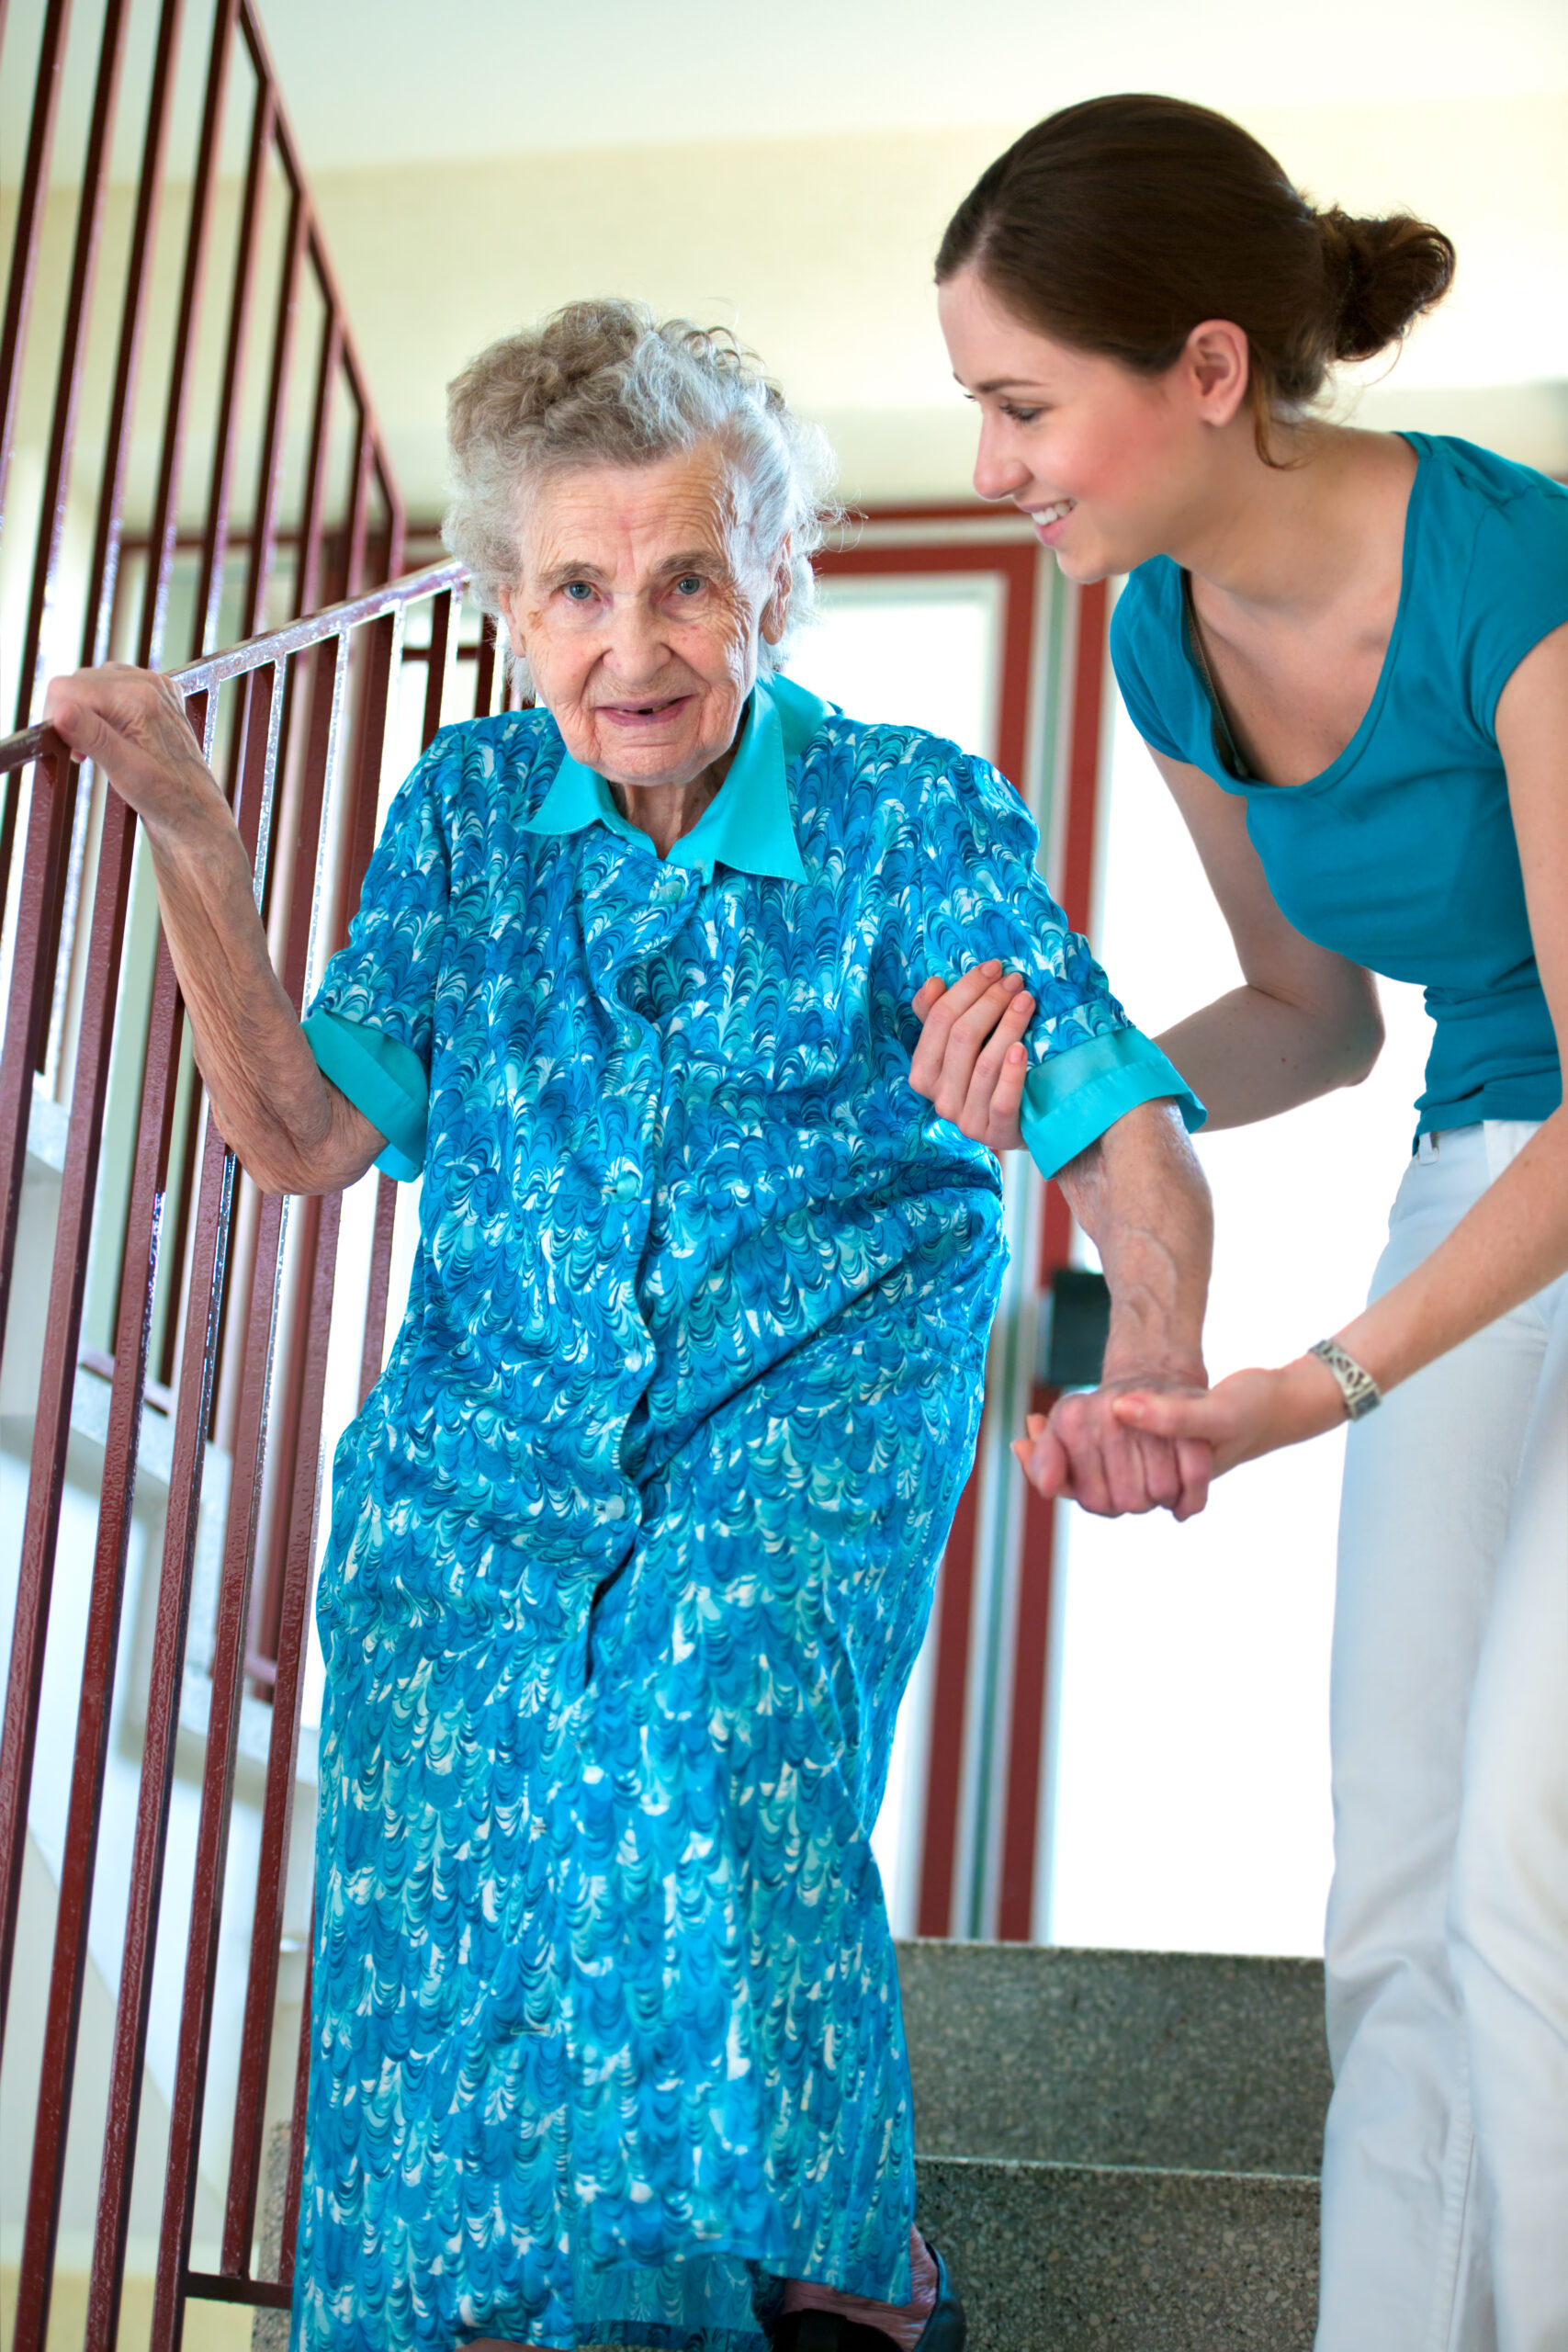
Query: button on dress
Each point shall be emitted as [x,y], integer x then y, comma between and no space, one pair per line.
[633,1545]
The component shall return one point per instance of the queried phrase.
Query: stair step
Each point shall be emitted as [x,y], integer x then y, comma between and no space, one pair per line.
[1054,2258]
[1182,2061]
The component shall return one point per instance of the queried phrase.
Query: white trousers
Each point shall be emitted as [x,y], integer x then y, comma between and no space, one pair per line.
[1444,2190]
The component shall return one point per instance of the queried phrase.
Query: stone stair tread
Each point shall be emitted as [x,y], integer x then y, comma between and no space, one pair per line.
[1062,2257]
[1248,2181]
[1168,2060]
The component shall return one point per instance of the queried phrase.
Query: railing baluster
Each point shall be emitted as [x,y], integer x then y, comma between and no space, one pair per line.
[269,470]
[165,511]
[317,1268]
[326,696]
[192,1416]
[215,537]
[374,1345]
[121,1445]
[72,353]
[443,612]
[30,225]
[229,1657]
[484,668]
[64,907]
[294,1451]
[51,1424]
[18,311]
[397,519]
[29,995]
[182,1186]
[308,577]
[352,523]
[296,2122]
[104,577]
[358,519]
[261,744]
[314,1285]
[382,645]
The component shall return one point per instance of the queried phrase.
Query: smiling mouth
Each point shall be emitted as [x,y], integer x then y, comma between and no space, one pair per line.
[1057,512]
[642,714]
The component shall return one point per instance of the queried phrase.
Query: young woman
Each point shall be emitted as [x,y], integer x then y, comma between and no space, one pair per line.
[1348,653]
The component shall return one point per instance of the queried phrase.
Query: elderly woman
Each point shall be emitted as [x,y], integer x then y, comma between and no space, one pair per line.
[633,1545]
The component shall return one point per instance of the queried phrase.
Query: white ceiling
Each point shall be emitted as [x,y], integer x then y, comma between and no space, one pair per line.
[364,77]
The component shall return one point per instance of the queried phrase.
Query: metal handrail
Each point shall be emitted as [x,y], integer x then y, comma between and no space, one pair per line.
[197,1280]
[312,725]
[257,652]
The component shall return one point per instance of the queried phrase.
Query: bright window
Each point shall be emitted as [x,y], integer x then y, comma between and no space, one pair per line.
[909,653]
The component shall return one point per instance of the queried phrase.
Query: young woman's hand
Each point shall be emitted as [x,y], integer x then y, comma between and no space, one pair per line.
[971,1062]
[1248,1414]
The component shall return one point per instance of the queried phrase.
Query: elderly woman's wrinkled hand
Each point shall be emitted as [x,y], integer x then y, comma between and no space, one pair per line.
[971,1062]
[131,724]
[1085,1452]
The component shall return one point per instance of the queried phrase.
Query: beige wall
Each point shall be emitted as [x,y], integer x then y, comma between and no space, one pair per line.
[819,249]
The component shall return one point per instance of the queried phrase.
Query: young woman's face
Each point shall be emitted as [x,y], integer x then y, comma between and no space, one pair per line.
[1110,465]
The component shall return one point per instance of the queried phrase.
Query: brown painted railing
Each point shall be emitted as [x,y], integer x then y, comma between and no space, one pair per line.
[163,1326]
[308,784]
[340,501]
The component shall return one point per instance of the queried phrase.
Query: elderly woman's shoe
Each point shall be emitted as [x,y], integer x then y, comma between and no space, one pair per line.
[945,2330]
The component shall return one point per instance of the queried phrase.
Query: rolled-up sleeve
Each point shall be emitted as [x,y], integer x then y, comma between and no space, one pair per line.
[382,1079]
[1070,1099]
[984,897]
[371,1022]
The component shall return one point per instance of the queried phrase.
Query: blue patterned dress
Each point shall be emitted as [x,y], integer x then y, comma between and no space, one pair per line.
[633,1545]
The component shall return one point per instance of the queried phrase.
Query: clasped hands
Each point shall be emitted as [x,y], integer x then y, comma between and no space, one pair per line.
[1153,1435]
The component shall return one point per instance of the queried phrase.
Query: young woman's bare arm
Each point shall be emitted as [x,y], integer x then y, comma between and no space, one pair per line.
[288,1125]
[1303,1021]
[1515,1241]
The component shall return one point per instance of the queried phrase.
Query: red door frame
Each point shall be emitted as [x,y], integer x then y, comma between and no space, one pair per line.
[1018,562]
[1031,1630]
[1018,566]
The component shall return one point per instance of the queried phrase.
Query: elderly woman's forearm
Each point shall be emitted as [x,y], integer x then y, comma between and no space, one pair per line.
[1141,1198]
[288,1126]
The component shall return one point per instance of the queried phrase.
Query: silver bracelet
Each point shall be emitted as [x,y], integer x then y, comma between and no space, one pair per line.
[1358,1388]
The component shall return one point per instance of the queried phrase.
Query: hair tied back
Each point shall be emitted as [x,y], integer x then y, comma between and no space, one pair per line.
[1119,224]
[1386,273]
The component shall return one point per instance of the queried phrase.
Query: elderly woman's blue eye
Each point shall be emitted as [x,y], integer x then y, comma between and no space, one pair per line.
[577,591]
[689,584]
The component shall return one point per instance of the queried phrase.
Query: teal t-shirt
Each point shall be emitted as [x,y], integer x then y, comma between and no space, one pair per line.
[1401,855]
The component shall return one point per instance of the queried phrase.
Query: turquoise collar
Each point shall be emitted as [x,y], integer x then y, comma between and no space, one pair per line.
[748,824]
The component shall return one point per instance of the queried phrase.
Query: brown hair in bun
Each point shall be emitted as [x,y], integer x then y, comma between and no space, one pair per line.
[1119,224]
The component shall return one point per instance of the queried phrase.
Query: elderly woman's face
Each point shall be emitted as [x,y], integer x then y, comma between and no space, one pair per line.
[638,609]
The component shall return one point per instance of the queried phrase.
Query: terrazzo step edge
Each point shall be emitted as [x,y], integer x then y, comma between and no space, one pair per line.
[1186,2060]
[1061,2257]
[1056,2257]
